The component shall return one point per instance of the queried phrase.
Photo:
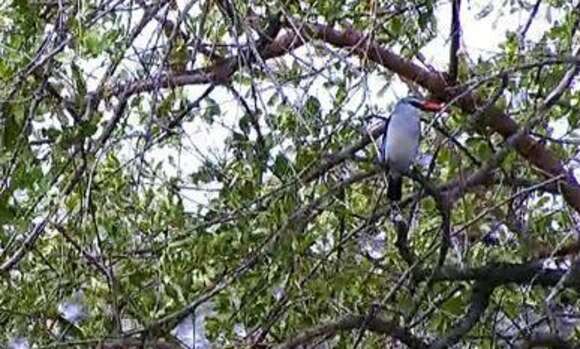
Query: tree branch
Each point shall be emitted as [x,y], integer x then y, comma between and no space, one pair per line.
[443,206]
[350,322]
[455,40]
[402,243]
[120,343]
[331,160]
[496,274]
[530,20]
[547,341]
[457,188]
[563,85]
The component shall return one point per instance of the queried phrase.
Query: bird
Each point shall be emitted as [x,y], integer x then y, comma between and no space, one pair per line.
[400,141]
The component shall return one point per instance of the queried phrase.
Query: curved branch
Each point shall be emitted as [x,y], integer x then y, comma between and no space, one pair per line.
[351,322]
[116,343]
[496,274]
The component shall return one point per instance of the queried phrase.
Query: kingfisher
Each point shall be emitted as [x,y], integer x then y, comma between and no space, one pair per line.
[401,139]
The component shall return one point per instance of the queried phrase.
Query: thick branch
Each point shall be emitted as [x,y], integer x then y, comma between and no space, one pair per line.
[351,322]
[501,274]
[402,243]
[120,343]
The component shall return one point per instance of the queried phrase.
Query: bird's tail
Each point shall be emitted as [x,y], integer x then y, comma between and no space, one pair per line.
[394,191]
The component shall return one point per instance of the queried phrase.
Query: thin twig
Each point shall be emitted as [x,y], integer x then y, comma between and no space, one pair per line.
[530,20]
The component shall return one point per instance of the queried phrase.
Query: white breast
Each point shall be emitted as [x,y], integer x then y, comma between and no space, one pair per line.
[403,136]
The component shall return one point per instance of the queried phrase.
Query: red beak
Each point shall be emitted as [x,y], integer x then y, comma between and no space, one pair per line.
[431,105]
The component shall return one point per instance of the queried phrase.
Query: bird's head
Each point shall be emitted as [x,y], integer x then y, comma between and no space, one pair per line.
[422,103]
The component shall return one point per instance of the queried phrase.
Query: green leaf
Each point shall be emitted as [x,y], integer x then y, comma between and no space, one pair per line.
[212,110]
[312,108]
[93,43]
[282,167]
